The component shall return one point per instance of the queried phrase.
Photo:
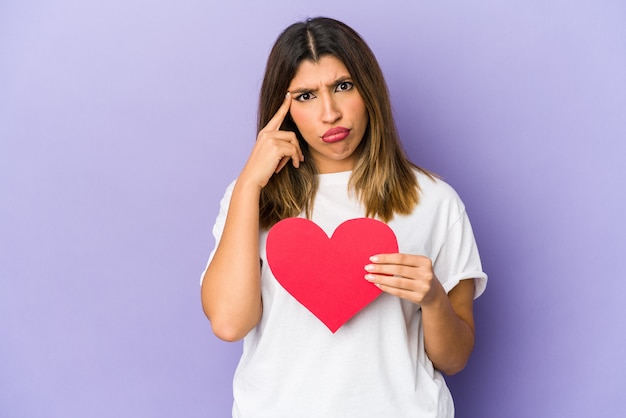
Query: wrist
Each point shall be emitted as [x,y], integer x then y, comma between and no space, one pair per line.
[247,185]
[438,298]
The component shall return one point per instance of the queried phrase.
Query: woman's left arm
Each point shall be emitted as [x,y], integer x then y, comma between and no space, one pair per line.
[448,319]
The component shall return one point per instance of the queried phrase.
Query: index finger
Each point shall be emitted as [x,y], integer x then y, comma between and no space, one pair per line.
[279,116]
[401,259]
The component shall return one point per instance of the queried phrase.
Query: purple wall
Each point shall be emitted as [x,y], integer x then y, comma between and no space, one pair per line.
[121,123]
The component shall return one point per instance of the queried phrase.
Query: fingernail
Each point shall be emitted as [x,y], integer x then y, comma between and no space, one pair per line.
[369,277]
[374,259]
[369,267]
[287,95]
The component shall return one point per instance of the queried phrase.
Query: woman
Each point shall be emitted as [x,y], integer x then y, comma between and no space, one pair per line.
[328,151]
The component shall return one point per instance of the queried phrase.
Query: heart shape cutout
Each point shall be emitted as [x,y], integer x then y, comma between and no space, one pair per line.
[326,274]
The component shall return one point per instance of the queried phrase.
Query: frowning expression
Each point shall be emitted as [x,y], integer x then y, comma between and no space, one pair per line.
[329,112]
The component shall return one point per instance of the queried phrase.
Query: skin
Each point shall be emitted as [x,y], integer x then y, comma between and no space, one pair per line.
[321,96]
[324,97]
[231,288]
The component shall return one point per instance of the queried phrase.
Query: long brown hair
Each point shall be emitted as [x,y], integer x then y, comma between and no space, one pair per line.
[383,177]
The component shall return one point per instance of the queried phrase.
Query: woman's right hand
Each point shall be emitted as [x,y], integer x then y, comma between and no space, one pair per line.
[231,289]
[273,149]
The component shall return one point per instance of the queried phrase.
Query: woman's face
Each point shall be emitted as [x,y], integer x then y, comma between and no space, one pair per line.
[329,113]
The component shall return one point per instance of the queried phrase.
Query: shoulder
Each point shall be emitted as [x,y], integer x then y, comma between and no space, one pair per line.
[228,192]
[434,189]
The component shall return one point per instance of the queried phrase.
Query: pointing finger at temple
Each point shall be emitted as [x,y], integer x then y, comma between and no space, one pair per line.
[279,116]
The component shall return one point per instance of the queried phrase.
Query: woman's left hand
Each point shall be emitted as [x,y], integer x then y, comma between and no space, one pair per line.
[407,276]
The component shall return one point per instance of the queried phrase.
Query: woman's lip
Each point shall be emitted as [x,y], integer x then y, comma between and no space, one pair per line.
[335,134]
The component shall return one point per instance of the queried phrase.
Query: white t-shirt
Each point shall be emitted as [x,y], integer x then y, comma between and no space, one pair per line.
[375,365]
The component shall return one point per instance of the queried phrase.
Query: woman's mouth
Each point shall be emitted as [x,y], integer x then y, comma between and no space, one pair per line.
[335,134]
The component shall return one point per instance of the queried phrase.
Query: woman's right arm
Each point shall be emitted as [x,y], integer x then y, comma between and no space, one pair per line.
[231,287]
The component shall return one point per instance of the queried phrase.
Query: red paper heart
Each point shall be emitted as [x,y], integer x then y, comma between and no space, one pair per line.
[326,274]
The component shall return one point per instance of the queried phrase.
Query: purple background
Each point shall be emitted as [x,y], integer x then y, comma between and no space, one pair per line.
[122,121]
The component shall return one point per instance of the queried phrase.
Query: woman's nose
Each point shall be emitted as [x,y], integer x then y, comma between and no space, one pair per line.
[330,110]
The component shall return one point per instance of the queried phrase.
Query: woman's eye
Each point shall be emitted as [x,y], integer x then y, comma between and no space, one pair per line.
[344,86]
[304,97]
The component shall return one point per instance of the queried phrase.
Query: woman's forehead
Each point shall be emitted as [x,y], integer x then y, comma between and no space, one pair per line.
[326,71]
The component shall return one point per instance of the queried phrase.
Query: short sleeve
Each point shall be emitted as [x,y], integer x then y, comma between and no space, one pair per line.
[220,221]
[458,258]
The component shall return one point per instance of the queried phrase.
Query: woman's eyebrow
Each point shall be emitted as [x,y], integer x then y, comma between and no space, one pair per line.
[338,80]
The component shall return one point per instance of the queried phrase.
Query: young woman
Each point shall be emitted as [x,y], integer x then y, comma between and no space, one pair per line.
[328,151]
